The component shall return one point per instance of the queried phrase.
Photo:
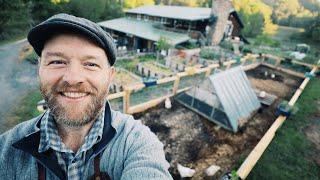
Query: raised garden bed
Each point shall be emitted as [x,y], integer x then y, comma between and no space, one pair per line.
[122,78]
[178,64]
[153,69]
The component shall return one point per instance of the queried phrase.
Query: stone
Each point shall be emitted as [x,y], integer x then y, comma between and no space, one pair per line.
[212,170]
[185,171]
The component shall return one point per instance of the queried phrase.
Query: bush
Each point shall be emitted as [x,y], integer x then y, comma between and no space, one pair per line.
[246,50]
[192,45]
[266,40]
[32,58]
[209,54]
[226,45]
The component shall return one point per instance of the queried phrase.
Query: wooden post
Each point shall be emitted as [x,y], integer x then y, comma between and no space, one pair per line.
[126,100]
[229,65]
[176,85]
[254,59]
[208,72]
[278,61]
[244,60]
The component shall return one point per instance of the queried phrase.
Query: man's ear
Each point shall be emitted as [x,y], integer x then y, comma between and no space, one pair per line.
[111,73]
[39,61]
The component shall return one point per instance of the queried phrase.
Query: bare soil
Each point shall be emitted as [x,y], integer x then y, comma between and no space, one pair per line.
[197,143]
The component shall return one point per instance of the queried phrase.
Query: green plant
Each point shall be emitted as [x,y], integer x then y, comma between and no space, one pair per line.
[192,45]
[209,54]
[266,40]
[226,45]
[234,175]
[246,50]
[32,58]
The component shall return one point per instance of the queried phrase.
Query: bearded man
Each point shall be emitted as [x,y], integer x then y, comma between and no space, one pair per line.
[79,136]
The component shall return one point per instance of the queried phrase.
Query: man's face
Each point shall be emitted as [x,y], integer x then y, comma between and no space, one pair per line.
[74,78]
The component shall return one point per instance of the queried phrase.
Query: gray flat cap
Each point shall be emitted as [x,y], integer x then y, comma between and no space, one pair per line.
[39,34]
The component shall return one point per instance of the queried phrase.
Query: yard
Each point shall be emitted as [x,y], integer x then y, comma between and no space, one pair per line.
[295,151]
[197,143]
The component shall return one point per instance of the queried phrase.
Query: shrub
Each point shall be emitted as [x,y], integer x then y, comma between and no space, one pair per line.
[226,45]
[266,40]
[32,58]
[209,54]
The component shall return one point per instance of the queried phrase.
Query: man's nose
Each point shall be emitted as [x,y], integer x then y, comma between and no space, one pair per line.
[73,74]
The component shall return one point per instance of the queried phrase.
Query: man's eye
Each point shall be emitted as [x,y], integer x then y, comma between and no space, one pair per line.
[56,62]
[91,64]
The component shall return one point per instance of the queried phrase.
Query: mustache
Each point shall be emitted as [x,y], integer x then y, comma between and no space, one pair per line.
[66,87]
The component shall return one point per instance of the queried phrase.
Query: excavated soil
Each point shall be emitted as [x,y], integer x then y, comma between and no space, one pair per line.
[197,143]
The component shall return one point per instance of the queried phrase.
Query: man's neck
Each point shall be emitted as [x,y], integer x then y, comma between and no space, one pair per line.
[73,137]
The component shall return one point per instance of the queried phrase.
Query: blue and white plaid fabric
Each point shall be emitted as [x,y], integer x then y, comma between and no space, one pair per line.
[72,163]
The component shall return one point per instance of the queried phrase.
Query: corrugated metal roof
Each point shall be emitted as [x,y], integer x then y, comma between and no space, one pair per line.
[143,29]
[235,93]
[175,12]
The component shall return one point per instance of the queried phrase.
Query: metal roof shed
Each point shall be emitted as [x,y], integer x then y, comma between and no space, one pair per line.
[145,30]
[225,98]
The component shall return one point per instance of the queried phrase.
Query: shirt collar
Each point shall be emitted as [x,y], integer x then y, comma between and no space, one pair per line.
[49,137]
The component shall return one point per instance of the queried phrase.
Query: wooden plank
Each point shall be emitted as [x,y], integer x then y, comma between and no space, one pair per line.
[303,64]
[115,95]
[144,106]
[166,80]
[301,88]
[137,86]
[258,150]
[293,73]
[251,66]
[227,63]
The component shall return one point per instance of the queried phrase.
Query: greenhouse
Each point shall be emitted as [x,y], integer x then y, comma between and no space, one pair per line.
[225,98]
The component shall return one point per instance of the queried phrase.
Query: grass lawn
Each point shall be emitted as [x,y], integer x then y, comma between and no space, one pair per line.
[291,154]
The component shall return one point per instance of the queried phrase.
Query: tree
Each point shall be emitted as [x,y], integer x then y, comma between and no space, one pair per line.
[112,10]
[14,18]
[253,24]
[313,31]
[162,44]
[41,10]
[251,7]
[128,4]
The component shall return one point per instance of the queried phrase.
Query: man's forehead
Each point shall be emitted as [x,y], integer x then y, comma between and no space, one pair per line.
[65,37]
[70,43]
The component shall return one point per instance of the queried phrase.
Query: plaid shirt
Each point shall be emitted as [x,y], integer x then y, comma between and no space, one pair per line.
[72,163]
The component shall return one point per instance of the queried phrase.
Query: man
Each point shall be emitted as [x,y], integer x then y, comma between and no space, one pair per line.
[79,136]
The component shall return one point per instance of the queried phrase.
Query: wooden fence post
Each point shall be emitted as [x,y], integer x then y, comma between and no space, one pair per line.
[126,100]
[278,61]
[208,72]
[176,85]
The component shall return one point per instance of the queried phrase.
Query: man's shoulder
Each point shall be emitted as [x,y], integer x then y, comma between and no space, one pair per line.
[125,122]
[18,132]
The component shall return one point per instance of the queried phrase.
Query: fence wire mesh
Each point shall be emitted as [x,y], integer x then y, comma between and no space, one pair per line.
[149,93]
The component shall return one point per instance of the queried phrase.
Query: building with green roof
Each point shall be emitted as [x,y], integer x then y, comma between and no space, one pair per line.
[143,26]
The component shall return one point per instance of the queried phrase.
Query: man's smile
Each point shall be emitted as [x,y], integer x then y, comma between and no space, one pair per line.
[74,95]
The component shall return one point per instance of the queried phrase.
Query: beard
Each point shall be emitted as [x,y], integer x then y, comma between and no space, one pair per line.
[71,115]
